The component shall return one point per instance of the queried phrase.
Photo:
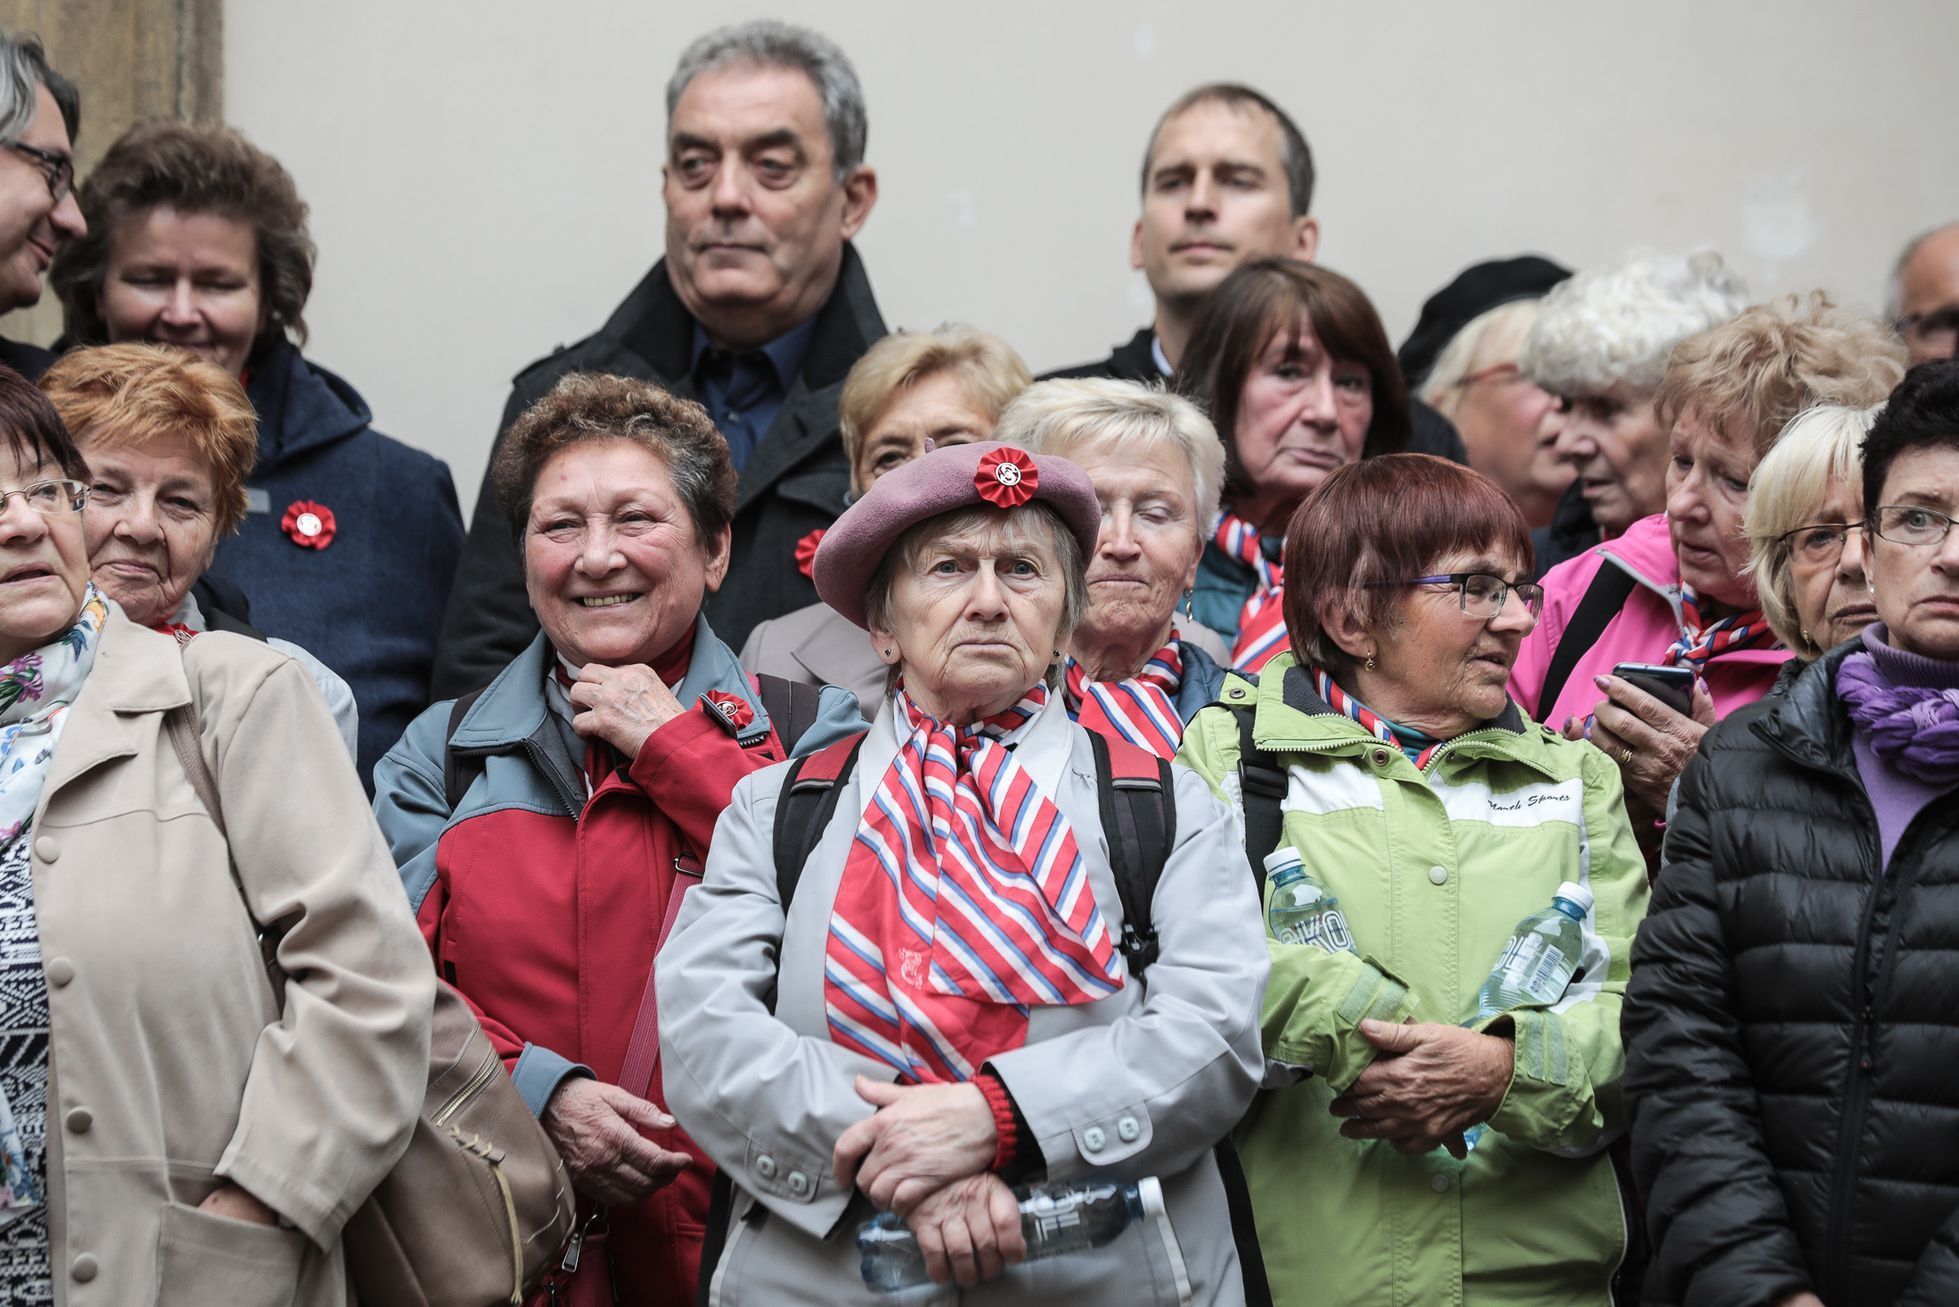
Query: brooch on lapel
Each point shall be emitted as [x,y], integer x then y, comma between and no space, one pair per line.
[307,524]
[730,710]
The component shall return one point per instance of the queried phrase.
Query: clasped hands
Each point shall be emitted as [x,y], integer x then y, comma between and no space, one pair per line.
[923,1154]
[1427,1084]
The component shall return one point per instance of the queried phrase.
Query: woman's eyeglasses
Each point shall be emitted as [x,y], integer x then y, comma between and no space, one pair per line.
[49,497]
[1910,524]
[1481,594]
[1818,543]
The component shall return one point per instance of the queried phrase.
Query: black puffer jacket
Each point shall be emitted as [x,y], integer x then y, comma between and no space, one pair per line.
[1792,1026]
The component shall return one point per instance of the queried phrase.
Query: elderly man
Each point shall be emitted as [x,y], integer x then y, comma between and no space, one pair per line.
[1925,294]
[758,310]
[1227,178]
[39,114]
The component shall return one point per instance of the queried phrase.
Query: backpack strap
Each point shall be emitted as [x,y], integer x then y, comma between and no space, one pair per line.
[803,811]
[459,769]
[1261,785]
[1611,586]
[1139,819]
[792,706]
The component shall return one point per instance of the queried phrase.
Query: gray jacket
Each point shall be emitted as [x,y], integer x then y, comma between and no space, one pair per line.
[1142,1083]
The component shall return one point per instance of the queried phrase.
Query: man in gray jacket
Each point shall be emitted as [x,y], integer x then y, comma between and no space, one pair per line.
[758,310]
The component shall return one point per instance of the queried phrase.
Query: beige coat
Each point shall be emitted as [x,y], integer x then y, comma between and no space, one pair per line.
[172,1069]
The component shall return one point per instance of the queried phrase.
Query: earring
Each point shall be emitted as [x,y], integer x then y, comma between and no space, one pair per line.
[1369,664]
[1807,638]
[1189,612]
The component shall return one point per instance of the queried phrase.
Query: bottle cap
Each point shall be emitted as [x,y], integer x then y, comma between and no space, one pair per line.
[1577,894]
[1280,858]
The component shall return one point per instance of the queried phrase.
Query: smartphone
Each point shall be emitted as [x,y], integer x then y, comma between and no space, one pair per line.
[1672,686]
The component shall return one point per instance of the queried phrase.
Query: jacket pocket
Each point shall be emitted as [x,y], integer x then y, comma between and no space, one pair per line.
[1166,1255]
[203,1258]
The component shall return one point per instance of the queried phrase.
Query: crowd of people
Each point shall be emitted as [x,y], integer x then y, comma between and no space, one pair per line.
[849,779]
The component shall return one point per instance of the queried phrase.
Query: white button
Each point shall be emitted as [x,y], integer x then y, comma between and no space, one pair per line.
[60,972]
[46,849]
[1127,1130]
[1439,1183]
[798,1183]
[1438,875]
[83,1268]
[765,1167]
[1093,1139]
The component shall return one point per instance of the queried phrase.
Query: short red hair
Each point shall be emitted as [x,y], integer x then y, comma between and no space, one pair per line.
[1386,519]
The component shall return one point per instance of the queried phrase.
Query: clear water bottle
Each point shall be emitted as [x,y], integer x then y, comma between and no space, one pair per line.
[1302,912]
[1054,1219]
[1537,963]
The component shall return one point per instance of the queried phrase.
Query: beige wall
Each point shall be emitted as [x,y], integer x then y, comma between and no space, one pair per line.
[484,174]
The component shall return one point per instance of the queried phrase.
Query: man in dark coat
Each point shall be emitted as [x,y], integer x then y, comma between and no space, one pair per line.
[758,310]
[39,116]
[1227,178]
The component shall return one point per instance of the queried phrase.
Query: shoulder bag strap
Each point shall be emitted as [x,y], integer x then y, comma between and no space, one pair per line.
[1135,791]
[458,770]
[1611,586]
[1262,785]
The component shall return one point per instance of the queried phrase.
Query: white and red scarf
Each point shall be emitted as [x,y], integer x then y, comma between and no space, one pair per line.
[964,902]
[1262,620]
[1700,640]
[1377,726]
[1141,709]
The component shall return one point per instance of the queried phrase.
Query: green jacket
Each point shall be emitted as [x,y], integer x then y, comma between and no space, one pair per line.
[1433,870]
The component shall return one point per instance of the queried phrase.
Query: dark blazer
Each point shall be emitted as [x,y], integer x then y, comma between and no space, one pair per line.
[28,360]
[796,480]
[1135,360]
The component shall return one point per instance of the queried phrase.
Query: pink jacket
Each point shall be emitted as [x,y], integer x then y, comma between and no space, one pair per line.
[1649,622]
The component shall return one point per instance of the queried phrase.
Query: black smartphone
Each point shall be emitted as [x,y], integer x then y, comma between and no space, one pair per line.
[1672,686]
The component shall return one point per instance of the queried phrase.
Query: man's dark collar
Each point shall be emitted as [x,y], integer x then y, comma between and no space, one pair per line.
[785,353]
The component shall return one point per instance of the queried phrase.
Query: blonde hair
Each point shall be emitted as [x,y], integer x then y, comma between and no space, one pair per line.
[988,368]
[1751,375]
[1056,417]
[1822,448]
[129,394]
[1497,334]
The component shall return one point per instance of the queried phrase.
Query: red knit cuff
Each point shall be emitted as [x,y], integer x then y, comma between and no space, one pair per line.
[1006,1136]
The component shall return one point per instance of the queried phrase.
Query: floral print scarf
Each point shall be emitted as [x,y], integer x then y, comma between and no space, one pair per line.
[36,691]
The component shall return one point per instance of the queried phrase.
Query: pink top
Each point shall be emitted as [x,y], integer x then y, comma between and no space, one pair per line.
[1641,633]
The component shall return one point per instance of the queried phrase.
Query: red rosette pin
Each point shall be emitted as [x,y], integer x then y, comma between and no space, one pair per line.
[1007,477]
[307,524]
[731,710]
[806,553]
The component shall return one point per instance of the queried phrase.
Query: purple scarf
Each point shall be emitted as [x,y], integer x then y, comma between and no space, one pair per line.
[1913,728]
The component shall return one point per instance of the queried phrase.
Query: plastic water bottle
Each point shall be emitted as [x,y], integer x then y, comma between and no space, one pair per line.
[1054,1219]
[1537,963]
[1302,912]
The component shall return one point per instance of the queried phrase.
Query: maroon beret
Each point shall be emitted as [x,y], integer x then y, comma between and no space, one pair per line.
[943,481]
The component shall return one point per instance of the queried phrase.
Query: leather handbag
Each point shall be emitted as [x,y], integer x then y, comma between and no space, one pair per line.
[477,1208]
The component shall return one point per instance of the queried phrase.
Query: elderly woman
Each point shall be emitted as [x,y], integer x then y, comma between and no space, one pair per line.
[1806,534]
[169,441]
[910,392]
[1600,344]
[197,239]
[548,826]
[1438,816]
[1291,362]
[1673,589]
[1464,359]
[1790,1022]
[1134,667]
[972,982]
[176,1131]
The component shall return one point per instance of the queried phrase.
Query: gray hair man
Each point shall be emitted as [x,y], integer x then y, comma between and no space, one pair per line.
[1924,294]
[39,115]
[758,310]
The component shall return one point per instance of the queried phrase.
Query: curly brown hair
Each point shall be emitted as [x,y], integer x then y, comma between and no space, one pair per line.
[192,169]
[592,406]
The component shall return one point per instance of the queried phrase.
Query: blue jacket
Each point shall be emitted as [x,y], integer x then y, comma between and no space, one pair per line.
[1203,678]
[368,605]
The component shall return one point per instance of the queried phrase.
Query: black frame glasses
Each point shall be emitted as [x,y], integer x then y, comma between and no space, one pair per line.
[1529,591]
[57,170]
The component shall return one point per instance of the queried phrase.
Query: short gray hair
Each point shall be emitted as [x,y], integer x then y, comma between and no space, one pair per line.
[1894,289]
[1057,417]
[1822,448]
[23,69]
[767,43]
[1619,323]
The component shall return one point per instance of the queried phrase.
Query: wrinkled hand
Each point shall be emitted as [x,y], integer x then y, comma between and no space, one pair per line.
[969,1231]
[621,705]
[229,1200]
[921,1138]
[1428,1084]
[596,1128]
[1659,739]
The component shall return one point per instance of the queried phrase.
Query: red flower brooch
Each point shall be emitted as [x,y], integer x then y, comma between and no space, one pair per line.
[1007,477]
[731,710]
[309,525]
[806,553]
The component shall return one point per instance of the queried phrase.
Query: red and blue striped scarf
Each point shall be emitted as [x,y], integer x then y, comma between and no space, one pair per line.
[1377,726]
[1262,620]
[963,903]
[1700,641]
[1141,709]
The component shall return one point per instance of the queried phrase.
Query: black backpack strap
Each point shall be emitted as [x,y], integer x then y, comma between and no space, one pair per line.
[1604,597]
[458,770]
[217,619]
[802,813]
[791,705]
[1262,784]
[1138,800]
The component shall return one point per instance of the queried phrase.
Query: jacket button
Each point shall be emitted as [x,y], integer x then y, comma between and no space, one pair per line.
[1380,757]
[1093,1139]
[765,1167]
[1438,875]
[1439,1183]
[1127,1130]
[798,1184]
[80,1119]
[46,849]
[83,1268]
[60,972]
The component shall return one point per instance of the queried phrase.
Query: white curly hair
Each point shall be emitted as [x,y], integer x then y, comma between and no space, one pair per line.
[1618,323]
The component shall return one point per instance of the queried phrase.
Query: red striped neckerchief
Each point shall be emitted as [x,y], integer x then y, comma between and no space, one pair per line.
[1141,709]
[1699,641]
[1378,726]
[1262,619]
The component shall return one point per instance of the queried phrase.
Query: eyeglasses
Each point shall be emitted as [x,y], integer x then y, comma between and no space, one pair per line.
[1818,543]
[1480,594]
[58,170]
[50,497]
[1933,332]
[1908,524]
[1501,373]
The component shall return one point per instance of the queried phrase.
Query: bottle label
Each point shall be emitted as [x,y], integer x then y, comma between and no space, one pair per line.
[1535,966]
[1325,929]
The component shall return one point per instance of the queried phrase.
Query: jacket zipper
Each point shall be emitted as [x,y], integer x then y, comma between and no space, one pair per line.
[472,1087]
